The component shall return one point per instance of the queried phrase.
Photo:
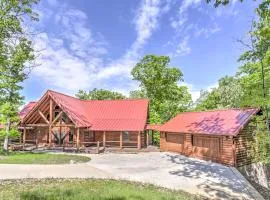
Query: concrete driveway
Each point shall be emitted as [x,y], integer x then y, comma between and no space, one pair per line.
[163,169]
[175,171]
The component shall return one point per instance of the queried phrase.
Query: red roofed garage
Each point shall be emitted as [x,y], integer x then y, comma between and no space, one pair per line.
[222,136]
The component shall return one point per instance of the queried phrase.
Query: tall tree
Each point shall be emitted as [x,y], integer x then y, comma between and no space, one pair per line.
[15,54]
[99,94]
[228,94]
[255,71]
[159,83]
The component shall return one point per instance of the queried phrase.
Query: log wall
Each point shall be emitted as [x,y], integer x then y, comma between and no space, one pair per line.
[216,148]
[244,146]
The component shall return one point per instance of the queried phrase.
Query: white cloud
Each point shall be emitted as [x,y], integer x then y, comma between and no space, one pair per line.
[146,22]
[74,57]
[206,31]
[71,54]
[195,90]
[195,93]
[181,18]
[183,48]
[184,27]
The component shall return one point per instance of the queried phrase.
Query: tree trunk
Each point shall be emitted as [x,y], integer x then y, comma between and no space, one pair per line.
[7,136]
[264,94]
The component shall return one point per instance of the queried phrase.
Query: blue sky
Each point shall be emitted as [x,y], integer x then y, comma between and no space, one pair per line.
[94,44]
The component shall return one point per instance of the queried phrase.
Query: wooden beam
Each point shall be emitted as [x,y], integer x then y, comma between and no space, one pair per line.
[24,136]
[104,139]
[51,119]
[139,140]
[78,138]
[60,129]
[21,127]
[57,117]
[37,125]
[147,138]
[44,98]
[28,126]
[121,139]
[64,125]
[152,134]
[43,117]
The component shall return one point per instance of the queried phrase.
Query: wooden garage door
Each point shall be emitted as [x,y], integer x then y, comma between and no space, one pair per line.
[206,147]
[175,138]
[175,142]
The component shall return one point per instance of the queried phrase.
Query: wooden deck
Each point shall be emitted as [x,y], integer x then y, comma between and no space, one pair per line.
[93,148]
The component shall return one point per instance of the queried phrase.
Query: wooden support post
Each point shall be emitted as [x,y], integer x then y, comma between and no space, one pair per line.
[139,140]
[98,147]
[78,138]
[60,128]
[147,138]
[152,133]
[21,134]
[24,136]
[51,119]
[104,139]
[121,140]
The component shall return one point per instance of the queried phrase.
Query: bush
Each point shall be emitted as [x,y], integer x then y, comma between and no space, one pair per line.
[263,146]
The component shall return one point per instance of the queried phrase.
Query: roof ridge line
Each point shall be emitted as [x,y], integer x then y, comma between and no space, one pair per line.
[65,95]
[89,100]
[224,109]
[136,99]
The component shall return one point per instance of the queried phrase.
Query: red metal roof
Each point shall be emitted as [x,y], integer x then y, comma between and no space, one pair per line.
[104,115]
[217,122]
[26,109]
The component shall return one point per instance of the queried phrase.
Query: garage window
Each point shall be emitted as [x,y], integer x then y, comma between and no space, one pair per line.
[175,138]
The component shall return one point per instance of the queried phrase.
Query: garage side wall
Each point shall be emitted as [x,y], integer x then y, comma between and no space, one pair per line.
[216,148]
[244,145]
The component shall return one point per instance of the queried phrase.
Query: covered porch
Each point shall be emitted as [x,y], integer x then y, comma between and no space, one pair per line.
[61,122]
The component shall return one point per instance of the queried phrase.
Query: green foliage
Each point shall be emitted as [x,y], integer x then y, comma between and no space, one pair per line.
[262,140]
[159,83]
[220,2]
[263,144]
[86,189]
[41,158]
[137,94]
[16,53]
[255,72]
[227,94]
[99,94]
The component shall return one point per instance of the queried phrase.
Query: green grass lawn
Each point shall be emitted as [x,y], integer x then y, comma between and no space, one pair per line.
[41,158]
[85,189]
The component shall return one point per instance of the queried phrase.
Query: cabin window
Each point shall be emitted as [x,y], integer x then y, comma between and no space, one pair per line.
[175,138]
[88,136]
[70,136]
[126,136]
[64,118]
[55,114]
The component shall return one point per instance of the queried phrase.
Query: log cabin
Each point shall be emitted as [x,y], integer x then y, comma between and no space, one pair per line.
[223,136]
[61,120]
